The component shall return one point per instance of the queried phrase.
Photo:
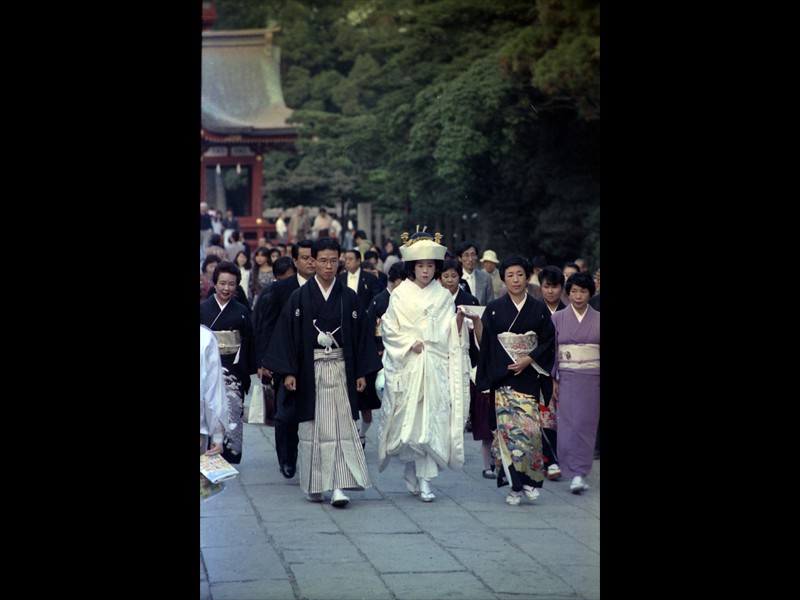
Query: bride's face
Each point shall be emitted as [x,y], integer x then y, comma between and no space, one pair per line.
[423,272]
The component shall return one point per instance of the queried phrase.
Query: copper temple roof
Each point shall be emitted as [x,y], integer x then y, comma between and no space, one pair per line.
[241,85]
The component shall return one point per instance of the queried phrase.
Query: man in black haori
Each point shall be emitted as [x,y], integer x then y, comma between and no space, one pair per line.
[322,349]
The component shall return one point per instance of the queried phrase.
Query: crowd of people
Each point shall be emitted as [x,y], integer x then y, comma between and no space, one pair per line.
[434,341]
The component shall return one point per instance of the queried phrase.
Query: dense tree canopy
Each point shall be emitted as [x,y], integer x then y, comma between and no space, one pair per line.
[480,119]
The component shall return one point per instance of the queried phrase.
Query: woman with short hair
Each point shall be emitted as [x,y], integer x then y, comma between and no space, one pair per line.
[517,345]
[576,384]
[230,322]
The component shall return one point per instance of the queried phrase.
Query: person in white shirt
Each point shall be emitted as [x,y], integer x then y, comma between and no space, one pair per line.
[490,261]
[280,228]
[365,284]
[322,225]
[234,247]
[336,228]
[243,262]
[480,283]
[216,221]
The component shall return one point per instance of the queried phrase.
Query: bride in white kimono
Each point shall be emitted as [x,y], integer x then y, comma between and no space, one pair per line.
[426,367]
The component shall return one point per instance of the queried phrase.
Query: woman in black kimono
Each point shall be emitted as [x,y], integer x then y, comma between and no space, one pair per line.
[514,382]
[230,322]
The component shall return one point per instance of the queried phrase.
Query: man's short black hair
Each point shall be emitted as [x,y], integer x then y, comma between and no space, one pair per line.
[552,275]
[325,243]
[462,247]
[397,271]
[282,265]
[301,244]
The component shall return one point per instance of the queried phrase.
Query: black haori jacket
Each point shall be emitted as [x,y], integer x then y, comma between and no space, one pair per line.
[291,349]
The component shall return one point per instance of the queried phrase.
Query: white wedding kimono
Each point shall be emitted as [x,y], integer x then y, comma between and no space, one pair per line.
[213,398]
[426,396]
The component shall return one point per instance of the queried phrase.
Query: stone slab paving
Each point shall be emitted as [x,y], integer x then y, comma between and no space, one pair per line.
[261,539]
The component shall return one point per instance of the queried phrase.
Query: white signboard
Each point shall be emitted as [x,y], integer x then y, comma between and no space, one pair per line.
[216,151]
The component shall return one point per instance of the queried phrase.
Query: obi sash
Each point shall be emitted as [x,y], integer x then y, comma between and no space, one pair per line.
[229,341]
[579,356]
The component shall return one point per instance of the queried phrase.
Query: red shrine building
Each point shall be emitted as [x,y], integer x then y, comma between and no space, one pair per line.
[243,116]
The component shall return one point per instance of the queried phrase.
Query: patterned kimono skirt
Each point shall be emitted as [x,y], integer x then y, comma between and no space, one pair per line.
[232,444]
[518,439]
[330,452]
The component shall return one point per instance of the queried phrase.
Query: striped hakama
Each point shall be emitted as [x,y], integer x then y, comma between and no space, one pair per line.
[330,452]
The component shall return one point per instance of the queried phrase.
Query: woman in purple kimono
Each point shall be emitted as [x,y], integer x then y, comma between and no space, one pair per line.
[576,380]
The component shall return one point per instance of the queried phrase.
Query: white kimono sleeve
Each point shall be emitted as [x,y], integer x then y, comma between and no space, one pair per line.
[213,399]
[458,377]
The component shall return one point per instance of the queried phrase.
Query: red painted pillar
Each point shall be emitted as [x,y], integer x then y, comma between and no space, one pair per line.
[256,201]
[202,179]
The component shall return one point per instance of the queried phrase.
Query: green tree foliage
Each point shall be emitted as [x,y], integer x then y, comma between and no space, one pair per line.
[246,14]
[561,51]
[480,119]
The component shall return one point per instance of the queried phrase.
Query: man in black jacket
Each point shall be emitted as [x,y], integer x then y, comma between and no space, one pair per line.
[265,317]
[371,264]
[366,285]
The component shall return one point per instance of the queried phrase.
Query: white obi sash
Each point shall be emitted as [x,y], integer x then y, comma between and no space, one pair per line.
[230,342]
[579,356]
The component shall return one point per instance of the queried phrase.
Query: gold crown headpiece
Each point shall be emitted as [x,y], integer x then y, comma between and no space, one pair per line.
[422,246]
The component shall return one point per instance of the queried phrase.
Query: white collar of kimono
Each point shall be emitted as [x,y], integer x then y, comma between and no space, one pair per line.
[521,304]
[325,293]
[454,294]
[222,306]
[300,279]
[578,315]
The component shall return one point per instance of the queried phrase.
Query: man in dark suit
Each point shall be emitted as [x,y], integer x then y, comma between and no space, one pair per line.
[265,316]
[366,285]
